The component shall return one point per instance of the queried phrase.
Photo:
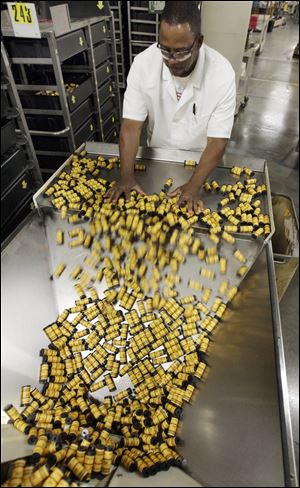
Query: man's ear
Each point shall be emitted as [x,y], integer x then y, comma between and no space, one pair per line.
[200,40]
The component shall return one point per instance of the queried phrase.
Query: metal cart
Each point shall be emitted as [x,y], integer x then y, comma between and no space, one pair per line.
[238,430]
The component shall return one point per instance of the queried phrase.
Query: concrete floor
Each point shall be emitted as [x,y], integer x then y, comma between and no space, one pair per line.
[269,128]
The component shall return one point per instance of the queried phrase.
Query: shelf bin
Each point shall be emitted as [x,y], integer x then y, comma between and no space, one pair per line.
[285,241]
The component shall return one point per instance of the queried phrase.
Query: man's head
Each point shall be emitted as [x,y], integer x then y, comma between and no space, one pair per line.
[180,36]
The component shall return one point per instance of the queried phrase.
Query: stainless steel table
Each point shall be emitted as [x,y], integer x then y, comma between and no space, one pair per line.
[238,430]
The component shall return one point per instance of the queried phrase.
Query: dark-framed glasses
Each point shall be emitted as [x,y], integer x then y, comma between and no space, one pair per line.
[177,55]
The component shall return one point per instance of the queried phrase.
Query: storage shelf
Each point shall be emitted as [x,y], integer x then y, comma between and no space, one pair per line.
[120,48]
[140,17]
[138,9]
[90,41]
[20,172]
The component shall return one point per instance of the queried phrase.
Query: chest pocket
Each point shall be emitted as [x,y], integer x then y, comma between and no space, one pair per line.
[198,125]
[190,134]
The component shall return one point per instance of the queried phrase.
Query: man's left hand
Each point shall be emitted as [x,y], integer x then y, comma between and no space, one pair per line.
[188,194]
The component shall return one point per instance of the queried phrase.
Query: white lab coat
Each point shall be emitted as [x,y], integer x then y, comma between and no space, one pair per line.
[210,91]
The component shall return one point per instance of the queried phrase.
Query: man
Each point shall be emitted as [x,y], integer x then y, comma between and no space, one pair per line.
[187,91]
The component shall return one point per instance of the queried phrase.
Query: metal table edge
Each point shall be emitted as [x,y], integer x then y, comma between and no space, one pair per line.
[269,198]
[166,154]
[289,461]
[44,187]
[148,153]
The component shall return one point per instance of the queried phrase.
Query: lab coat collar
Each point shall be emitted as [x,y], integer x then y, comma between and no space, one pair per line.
[194,81]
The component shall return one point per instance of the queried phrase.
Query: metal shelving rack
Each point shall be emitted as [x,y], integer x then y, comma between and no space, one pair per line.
[143,27]
[20,173]
[90,45]
[116,8]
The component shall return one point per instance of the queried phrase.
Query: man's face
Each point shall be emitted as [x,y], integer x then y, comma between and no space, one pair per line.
[177,38]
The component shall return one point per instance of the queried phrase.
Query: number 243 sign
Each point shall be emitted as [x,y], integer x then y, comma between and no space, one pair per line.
[24,19]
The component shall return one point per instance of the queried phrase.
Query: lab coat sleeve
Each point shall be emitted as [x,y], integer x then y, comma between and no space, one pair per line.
[221,121]
[134,106]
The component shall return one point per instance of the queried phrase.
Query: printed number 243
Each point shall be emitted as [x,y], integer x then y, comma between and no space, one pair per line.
[22,14]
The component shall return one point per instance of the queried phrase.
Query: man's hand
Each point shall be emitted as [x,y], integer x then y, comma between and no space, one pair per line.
[124,186]
[188,194]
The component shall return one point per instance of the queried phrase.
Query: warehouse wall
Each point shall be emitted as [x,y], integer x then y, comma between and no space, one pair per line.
[225,27]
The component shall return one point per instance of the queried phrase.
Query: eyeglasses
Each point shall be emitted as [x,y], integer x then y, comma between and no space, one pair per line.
[177,55]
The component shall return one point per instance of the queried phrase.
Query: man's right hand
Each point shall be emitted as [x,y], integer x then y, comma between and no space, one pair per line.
[124,186]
